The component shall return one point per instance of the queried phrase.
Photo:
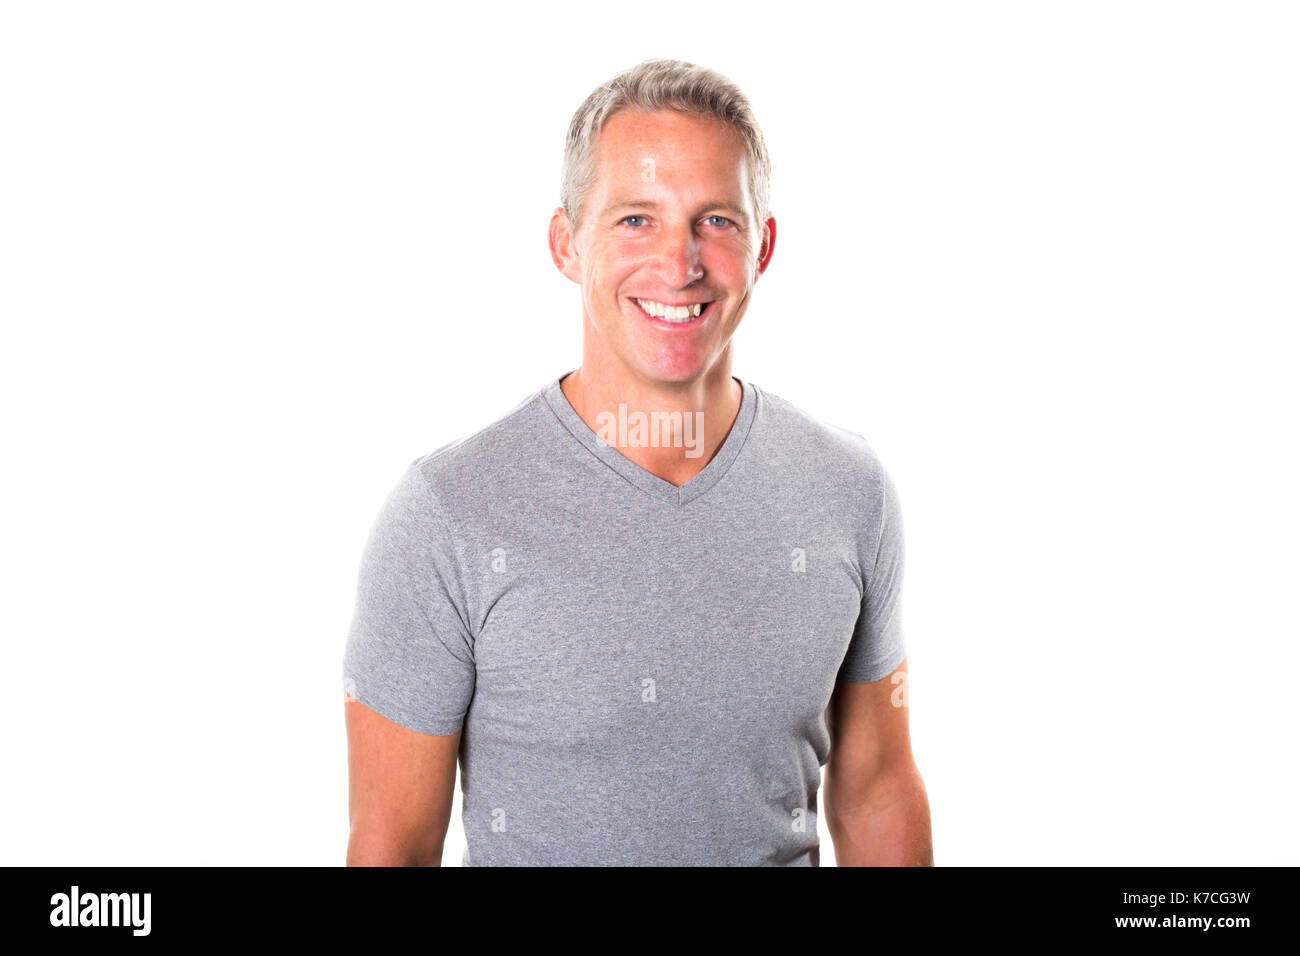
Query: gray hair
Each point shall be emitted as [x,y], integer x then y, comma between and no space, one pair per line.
[657,85]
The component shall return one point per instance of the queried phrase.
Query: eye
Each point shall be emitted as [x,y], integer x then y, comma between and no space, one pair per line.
[719,222]
[627,218]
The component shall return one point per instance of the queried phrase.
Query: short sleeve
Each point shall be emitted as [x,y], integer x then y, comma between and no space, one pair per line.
[876,648]
[409,654]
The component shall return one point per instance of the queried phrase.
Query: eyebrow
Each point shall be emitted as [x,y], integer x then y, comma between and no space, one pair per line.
[737,211]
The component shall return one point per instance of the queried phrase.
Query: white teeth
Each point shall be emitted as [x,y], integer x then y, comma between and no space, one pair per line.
[671,313]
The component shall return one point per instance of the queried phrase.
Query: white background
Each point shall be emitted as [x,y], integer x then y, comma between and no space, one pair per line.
[257,257]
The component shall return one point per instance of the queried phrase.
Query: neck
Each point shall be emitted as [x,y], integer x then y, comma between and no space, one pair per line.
[682,423]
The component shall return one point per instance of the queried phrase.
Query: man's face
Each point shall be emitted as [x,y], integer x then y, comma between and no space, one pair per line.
[668,228]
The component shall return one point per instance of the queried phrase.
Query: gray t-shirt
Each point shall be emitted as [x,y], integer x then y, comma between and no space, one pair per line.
[640,671]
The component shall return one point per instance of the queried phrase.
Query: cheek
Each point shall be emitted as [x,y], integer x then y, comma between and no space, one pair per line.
[617,265]
[728,265]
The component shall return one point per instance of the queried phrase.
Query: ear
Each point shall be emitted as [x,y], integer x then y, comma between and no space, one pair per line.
[564,252]
[766,246]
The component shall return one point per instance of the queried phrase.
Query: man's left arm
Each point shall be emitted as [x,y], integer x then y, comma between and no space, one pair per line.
[875,803]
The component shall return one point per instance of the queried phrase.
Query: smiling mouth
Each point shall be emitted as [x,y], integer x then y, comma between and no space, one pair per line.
[682,313]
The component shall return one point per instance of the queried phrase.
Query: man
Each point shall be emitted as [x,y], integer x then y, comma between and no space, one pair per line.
[647,605]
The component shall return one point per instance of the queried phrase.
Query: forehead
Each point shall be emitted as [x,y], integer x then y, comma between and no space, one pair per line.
[685,150]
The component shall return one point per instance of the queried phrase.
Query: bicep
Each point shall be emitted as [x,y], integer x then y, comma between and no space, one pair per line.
[400,788]
[869,732]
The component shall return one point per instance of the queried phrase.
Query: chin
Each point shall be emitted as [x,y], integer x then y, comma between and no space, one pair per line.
[673,369]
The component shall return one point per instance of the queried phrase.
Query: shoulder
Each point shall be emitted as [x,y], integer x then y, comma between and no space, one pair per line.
[839,470]
[839,454]
[455,475]
[465,463]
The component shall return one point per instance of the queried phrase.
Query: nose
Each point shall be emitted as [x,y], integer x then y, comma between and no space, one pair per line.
[679,258]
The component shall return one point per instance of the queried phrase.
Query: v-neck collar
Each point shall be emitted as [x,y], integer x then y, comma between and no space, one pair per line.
[647,481]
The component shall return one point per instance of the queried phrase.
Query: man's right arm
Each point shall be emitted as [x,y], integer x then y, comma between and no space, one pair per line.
[400,787]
